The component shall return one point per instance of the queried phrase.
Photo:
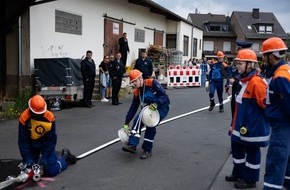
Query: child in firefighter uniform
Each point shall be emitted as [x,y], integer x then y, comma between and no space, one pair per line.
[37,139]
[250,130]
[218,72]
[277,172]
[147,92]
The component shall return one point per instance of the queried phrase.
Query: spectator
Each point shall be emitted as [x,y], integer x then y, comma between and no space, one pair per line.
[116,74]
[203,68]
[124,48]
[144,65]
[37,139]
[88,69]
[109,84]
[104,77]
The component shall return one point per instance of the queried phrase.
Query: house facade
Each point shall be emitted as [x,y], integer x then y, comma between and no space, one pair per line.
[218,34]
[68,28]
[221,32]
[256,27]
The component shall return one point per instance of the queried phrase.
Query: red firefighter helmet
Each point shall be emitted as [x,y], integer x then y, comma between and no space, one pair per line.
[246,55]
[220,54]
[37,104]
[135,74]
[273,44]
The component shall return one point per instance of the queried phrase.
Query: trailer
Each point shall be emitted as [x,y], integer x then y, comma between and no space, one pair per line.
[58,80]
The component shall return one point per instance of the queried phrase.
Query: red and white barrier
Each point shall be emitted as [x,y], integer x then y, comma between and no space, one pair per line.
[183,76]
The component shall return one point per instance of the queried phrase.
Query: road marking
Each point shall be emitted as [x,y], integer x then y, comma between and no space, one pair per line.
[161,123]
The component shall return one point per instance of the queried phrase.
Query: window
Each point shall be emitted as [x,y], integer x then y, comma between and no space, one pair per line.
[199,44]
[214,28]
[208,45]
[265,29]
[68,23]
[194,47]
[256,47]
[170,41]
[139,35]
[218,28]
[261,29]
[269,29]
[185,45]
[227,46]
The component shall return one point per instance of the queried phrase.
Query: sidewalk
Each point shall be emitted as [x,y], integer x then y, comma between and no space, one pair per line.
[220,182]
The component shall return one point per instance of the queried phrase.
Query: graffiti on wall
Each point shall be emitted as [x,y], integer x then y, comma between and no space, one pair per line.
[53,51]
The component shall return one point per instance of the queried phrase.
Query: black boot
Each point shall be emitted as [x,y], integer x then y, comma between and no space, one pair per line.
[221,108]
[69,158]
[232,178]
[212,104]
[241,184]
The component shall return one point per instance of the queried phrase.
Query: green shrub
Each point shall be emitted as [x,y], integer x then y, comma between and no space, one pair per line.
[13,110]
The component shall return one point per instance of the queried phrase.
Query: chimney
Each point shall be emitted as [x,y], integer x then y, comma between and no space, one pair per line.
[256,13]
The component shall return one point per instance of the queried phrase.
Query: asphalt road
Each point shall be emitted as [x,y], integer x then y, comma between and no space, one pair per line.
[189,153]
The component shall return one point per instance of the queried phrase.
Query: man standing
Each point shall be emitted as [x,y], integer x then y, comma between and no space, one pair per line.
[144,65]
[88,69]
[116,74]
[124,48]
[277,173]
[37,139]
[218,72]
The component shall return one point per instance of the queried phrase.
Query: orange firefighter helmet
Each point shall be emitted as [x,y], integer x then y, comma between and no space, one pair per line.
[134,75]
[246,55]
[220,54]
[37,104]
[273,44]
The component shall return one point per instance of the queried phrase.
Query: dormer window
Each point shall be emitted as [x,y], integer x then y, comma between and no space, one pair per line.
[218,28]
[263,29]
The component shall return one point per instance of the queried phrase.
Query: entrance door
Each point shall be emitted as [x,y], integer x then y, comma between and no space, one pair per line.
[113,31]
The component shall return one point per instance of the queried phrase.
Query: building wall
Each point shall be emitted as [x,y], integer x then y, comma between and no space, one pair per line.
[46,43]
[39,39]
[237,28]
[198,34]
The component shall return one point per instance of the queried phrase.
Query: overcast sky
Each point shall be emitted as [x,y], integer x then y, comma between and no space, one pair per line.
[280,8]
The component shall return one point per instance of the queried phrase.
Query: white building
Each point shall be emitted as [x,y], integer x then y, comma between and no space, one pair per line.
[68,28]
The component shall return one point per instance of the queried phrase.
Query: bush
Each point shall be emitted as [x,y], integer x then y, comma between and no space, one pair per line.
[18,105]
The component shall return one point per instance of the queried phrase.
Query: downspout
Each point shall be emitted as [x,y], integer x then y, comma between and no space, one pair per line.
[19,55]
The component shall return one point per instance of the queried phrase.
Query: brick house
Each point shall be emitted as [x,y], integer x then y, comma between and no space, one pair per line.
[221,32]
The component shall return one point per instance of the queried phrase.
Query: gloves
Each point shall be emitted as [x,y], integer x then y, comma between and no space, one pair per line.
[153,106]
[126,128]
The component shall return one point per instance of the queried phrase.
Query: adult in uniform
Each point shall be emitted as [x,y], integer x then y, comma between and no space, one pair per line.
[88,69]
[116,73]
[144,65]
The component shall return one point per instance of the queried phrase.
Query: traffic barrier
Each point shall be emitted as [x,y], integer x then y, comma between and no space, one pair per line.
[183,76]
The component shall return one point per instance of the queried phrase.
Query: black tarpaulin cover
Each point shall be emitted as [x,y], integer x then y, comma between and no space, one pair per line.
[58,72]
